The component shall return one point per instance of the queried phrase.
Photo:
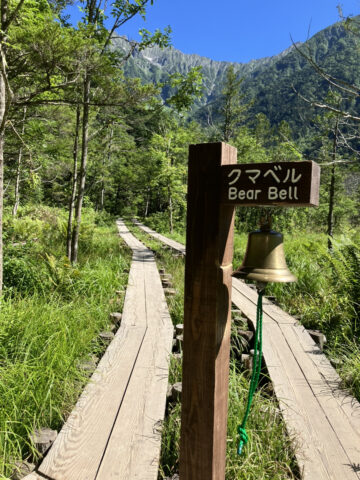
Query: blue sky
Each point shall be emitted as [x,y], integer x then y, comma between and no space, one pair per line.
[236,30]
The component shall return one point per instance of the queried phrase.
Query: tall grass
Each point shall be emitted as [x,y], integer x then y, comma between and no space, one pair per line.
[325,297]
[51,315]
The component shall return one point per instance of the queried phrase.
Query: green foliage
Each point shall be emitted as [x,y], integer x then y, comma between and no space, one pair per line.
[49,323]
[326,295]
[188,88]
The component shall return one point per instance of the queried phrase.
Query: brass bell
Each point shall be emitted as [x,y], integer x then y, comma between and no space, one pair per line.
[264,259]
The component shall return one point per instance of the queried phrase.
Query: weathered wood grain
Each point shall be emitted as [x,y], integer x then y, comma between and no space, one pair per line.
[34,476]
[136,435]
[207,316]
[127,392]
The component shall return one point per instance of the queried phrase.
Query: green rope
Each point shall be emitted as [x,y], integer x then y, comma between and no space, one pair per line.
[255,373]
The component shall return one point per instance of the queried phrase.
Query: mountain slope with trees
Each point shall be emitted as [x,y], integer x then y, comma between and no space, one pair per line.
[268,82]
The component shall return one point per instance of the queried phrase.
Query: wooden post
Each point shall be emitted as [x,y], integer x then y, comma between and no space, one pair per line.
[209,250]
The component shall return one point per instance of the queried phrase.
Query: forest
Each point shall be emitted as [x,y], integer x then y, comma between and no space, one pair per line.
[83,143]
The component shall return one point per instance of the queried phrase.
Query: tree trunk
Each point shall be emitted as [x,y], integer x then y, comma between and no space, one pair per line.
[171,213]
[330,220]
[2,135]
[102,192]
[82,176]
[18,172]
[74,185]
[147,203]
[3,113]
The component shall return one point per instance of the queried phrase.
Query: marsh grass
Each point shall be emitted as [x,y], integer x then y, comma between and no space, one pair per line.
[326,296]
[269,455]
[50,325]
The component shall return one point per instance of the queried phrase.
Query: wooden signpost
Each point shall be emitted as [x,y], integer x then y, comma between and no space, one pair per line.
[216,184]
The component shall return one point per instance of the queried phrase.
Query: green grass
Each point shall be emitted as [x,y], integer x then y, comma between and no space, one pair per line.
[326,296]
[270,452]
[49,324]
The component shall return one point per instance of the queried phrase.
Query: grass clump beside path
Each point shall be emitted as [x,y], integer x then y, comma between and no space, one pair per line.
[326,296]
[51,315]
[269,454]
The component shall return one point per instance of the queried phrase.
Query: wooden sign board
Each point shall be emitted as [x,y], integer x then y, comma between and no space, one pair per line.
[284,184]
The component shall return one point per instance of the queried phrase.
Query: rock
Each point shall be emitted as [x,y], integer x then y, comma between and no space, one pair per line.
[271,298]
[269,389]
[115,318]
[88,366]
[120,292]
[22,469]
[246,334]
[162,271]
[167,284]
[336,362]
[106,337]
[43,438]
[247,361]
[179,329]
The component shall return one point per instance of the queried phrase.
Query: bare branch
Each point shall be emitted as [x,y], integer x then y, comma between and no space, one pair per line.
[336,82]
[325,106]
[9,122]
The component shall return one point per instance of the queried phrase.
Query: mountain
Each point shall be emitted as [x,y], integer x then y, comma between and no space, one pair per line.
[269,82]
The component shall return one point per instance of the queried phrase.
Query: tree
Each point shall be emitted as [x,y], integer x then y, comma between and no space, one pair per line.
[347,89]
[339,138]
[99,39]
[37,56]
[232,108]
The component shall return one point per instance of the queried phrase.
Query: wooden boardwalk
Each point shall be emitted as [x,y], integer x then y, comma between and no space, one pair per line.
[323,419]
[114,432]
[176,246]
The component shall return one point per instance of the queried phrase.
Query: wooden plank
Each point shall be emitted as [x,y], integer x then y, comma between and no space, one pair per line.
[348,436]
[136,436]
[77,451]
[207,316]
[82,444]
[319,432]
[34,476]
[299,429]
[167,241]
[348,403]
[272,313]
